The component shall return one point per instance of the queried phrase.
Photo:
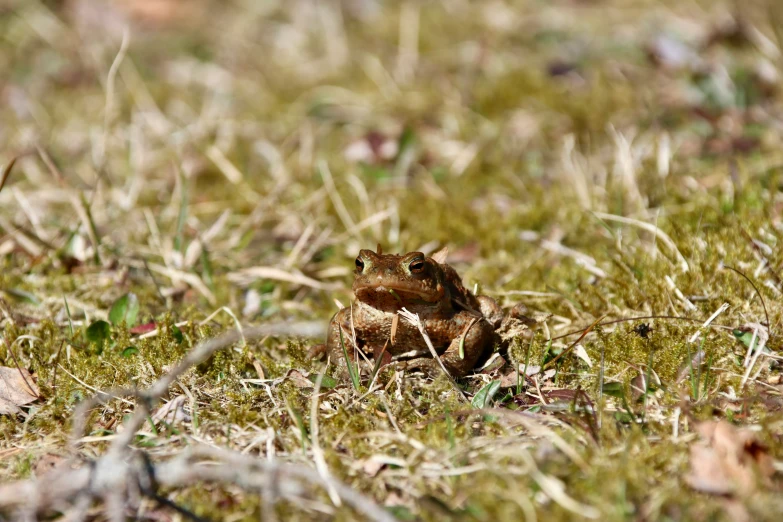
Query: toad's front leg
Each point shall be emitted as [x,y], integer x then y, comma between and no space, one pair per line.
[479,337]
[338,345]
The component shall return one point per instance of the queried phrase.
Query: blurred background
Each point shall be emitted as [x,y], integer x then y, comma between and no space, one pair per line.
[211,137]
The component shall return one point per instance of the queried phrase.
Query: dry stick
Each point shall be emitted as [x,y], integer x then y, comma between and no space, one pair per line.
[112,473]
[722,308]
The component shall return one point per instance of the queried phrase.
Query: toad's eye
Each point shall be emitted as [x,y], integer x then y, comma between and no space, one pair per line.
[359,264]
[417,265]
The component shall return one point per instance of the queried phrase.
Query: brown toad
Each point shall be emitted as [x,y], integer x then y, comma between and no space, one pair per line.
[386,283]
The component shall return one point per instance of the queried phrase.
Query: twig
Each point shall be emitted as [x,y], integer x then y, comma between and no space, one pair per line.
[119,472]
[763,304]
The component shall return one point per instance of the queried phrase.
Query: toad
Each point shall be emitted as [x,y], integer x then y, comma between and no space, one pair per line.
[427,286]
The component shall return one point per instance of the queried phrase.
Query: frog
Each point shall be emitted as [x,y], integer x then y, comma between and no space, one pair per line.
[461,326]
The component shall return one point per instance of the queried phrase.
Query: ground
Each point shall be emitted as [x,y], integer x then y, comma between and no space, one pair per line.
[176,170]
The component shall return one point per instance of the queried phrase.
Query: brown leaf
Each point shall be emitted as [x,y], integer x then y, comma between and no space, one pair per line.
[173,412]
[372,466]
[728,460]
[441,255]
[17,388]
[299,378]
[561,394]
[467,253]
[510,379]
[494,364]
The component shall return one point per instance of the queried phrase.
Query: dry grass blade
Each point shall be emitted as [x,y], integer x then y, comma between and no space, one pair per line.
[755,288]
[7,172]
[247,275]
[573,345]
[653,229]
[318,454]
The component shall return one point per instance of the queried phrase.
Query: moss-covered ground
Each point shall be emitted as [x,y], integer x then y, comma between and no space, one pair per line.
[595,160]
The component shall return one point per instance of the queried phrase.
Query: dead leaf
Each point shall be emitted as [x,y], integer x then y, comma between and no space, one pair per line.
[374,148]
[511,328]
[17,388]
[372,466]
[580,352]
[510,379]
[465,254]
[441,255]
[561,394]
[669,53]
[299,378]
[495,363]
[728,460]
[173,412]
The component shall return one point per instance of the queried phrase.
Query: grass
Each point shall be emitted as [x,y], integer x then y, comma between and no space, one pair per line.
[563,166]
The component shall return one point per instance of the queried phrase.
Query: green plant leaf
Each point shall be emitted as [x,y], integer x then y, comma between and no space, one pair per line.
[97,333]
[23,296]
[353,372]
[126,308]
[130,351]
[326,381]
[483,398]
[176,333]
[206,268]
[615,389]
[745,337]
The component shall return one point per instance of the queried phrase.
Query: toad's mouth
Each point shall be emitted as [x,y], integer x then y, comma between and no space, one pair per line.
[399,292]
